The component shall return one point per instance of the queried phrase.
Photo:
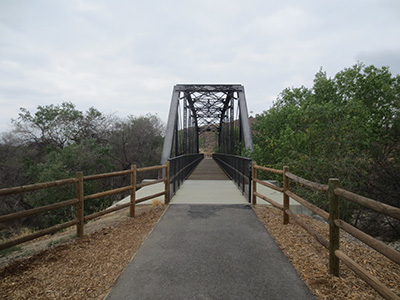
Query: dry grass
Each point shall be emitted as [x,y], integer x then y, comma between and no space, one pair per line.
[157,202]
[311,259]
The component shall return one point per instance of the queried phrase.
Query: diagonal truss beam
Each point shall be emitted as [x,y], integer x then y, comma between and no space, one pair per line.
[205,107]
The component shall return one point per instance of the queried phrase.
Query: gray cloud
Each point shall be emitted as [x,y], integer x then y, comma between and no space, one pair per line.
[125,56]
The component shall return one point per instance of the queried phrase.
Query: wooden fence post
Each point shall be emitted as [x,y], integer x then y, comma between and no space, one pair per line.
[254,176]
[133,191]
[166,198]
[80,205]
[285,197]
[334,238]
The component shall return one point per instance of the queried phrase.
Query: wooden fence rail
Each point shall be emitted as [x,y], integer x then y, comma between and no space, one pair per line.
[37,186]
[334,192]
[81,199]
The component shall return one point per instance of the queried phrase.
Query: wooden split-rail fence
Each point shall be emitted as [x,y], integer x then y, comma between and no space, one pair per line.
[333,191]
[80,200]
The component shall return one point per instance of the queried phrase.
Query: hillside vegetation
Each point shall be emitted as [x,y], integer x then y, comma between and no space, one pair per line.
[347,127]
[57,141]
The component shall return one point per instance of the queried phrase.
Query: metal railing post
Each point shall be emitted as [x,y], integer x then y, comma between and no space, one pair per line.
[166,199]
[254,175]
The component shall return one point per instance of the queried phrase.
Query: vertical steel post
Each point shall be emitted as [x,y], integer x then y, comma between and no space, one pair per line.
[232,128]
[254,176]
[185,127]
[169,134]
[167,185]
[177,135]
[244,120]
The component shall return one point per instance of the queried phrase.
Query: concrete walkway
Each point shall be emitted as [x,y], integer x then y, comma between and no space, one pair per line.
[209,252]
[208,192]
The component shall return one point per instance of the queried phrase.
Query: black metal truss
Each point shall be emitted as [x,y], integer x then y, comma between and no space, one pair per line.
[198,108]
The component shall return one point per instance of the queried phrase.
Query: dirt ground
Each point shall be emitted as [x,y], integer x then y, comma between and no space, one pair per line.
[86,268]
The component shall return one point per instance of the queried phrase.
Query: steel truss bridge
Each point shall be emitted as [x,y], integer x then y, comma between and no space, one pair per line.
[197,108]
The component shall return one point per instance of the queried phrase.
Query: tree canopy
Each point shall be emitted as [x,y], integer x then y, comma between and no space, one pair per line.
[347,126]
[58,140]
[60,125]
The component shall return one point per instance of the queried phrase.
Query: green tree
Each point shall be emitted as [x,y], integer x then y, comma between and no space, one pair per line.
[137,141]
[56,126]
[88,156]
[58,140]
[346,127]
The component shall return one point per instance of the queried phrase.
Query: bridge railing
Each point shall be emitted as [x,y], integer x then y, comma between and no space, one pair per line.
[333,245]
[180,168]
[80,199]
[238,168]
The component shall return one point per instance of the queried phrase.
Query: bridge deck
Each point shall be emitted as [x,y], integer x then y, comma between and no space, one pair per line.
[208,184]
[208,169]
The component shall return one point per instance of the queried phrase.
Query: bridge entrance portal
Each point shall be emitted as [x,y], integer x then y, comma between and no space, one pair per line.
[200,109]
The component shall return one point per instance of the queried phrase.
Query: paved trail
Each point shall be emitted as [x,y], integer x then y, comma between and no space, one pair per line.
[209,252]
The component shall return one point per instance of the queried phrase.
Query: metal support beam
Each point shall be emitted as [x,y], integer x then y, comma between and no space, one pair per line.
[172,122]
[244,120]
[207,108]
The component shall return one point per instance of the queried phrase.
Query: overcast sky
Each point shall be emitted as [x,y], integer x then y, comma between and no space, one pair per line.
[125,56]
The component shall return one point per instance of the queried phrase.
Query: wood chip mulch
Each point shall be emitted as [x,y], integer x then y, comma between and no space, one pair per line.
[311,259]
[85,268]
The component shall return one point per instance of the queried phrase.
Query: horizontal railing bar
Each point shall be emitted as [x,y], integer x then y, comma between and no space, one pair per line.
[232,156]
[265,198]
[143,184]
[308,183]
[106,211]
[310,206]
[269,185]
[106,175]
[37,234]
[37,210]
[150,197]
[324,242]
[151,168]
[275,171]
[183,169]
[180,157]
[380,207]
[370,241]
[107,193]
[36,186]
[383,290]
[229,166]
